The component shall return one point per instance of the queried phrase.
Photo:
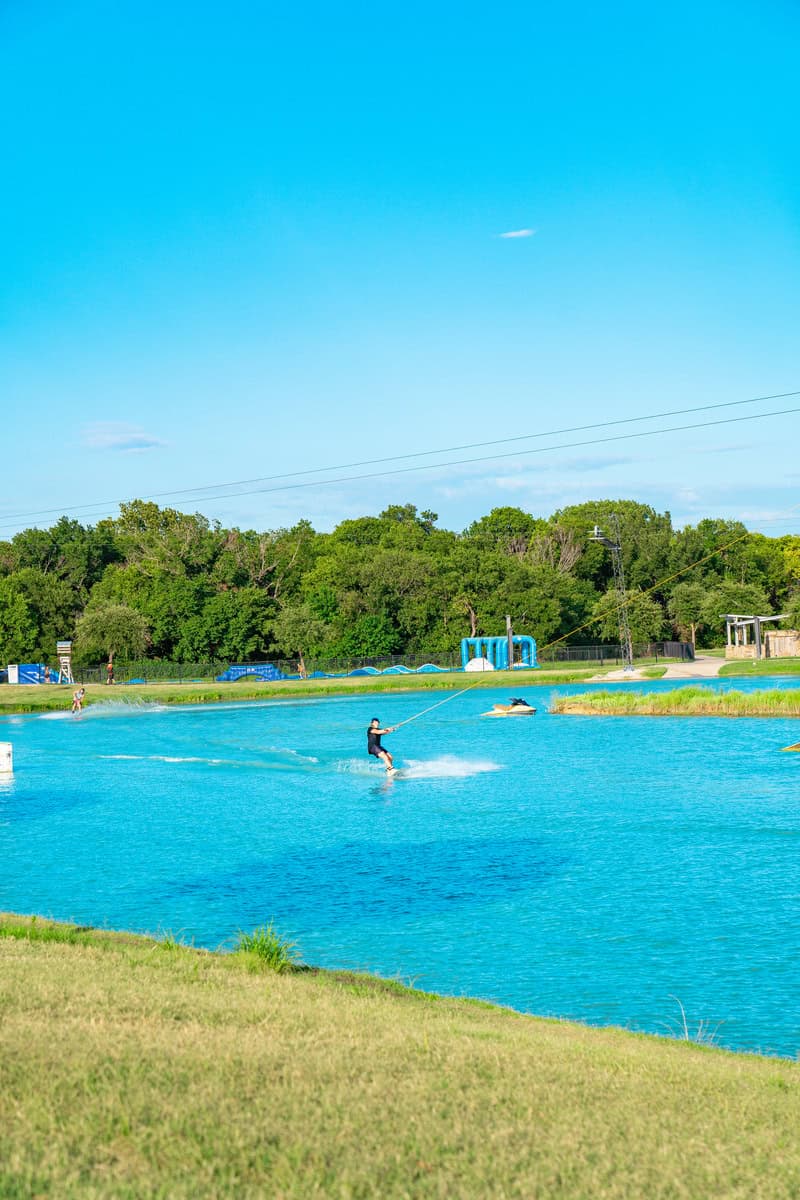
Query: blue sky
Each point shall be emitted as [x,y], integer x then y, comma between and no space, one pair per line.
[246,240]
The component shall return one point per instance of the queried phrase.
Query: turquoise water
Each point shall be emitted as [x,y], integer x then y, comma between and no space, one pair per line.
[569,866]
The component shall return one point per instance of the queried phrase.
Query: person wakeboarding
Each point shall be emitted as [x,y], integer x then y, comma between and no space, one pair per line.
[374,735]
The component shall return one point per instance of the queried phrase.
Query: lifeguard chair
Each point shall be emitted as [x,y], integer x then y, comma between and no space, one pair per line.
[64,652]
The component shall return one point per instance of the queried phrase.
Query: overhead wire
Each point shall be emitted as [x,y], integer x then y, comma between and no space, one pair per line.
[676,412]
[12,519]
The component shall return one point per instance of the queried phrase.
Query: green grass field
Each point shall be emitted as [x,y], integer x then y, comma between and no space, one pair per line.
[766,666]
[22,698]
[16,698]
[689,701]
[131,1068]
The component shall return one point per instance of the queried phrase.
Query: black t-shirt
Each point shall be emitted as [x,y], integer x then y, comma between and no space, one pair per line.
[373,740]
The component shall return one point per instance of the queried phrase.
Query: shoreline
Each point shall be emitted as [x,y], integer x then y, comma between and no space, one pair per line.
[19,699]
[36,928]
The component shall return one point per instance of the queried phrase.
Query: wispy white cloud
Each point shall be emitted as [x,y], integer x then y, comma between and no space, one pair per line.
[118,436]
[517,233]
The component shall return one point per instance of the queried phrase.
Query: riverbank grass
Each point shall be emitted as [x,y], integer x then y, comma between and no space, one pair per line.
[25,698]
[136,1068]
[681,702]
[33,698]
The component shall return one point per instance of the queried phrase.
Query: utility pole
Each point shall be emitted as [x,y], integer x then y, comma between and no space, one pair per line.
[510,636]
[614,544]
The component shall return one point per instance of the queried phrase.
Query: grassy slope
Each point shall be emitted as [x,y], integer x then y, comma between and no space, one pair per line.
[767,666]
[682,702]
[49,697]
[130,1068]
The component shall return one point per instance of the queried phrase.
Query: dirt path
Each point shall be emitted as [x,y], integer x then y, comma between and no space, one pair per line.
[705,666]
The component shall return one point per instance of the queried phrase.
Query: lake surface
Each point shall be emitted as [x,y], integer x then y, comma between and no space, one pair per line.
[571,866]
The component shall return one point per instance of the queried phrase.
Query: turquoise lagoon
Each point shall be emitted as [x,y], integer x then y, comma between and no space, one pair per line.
[577,867]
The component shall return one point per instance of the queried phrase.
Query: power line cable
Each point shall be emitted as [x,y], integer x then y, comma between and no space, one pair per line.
[215,487]
[492,457]
[459,462]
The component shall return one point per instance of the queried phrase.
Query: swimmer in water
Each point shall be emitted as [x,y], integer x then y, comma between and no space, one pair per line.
[374,735]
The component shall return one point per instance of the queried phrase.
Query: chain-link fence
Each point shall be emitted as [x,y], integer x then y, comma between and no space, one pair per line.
[602,655]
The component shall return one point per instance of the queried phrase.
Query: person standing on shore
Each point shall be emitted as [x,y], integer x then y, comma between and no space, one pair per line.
[374,747]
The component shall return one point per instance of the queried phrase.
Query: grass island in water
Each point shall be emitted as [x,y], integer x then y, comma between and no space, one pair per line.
[681,702]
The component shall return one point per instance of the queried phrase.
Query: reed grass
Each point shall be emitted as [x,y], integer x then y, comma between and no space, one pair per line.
[266,948]
[134,1070]
[688,701]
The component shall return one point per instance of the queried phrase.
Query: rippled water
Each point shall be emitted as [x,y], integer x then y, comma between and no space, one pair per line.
[571,866]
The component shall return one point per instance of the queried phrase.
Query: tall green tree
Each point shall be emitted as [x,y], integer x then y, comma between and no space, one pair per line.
[687,609]
[112,630]
[297,633]
[17,626]
[747,599]
[645,616]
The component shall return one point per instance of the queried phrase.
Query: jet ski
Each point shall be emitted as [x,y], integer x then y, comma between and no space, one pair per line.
[516,707]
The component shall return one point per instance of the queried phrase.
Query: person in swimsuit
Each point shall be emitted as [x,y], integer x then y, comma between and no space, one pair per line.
[77,699]
[374,735]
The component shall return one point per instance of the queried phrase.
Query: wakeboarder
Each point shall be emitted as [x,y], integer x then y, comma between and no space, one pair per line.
[374,747]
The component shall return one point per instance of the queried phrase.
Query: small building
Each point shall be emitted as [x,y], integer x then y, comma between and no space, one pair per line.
[746,638]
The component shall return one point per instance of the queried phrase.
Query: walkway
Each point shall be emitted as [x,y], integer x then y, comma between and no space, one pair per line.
[704,666]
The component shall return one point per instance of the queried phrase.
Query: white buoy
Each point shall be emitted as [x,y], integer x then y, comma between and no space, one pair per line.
[6,758]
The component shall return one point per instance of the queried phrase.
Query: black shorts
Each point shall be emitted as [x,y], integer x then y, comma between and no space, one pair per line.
[377,751]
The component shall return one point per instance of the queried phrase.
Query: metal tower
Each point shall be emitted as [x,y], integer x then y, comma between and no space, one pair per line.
[614,544]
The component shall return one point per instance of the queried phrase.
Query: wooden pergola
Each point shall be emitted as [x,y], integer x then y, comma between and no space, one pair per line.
[737,624]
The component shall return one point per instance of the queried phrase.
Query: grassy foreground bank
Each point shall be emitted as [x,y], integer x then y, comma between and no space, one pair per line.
[681,702]
[133,1068]
[26,698]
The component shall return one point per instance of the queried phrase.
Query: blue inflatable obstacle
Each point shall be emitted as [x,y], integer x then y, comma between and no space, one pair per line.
[267,672]
[495,651]
[31,673]
[397,669]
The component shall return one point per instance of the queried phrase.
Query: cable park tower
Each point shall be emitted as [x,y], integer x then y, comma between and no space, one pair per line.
[614,544]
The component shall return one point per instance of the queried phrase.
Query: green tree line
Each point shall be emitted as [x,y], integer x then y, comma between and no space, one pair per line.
[178,587]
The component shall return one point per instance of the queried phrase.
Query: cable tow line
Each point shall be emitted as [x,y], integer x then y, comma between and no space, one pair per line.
[431,707]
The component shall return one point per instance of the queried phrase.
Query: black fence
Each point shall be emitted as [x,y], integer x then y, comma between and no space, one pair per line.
[602,655]
[151,670]
[156,671]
